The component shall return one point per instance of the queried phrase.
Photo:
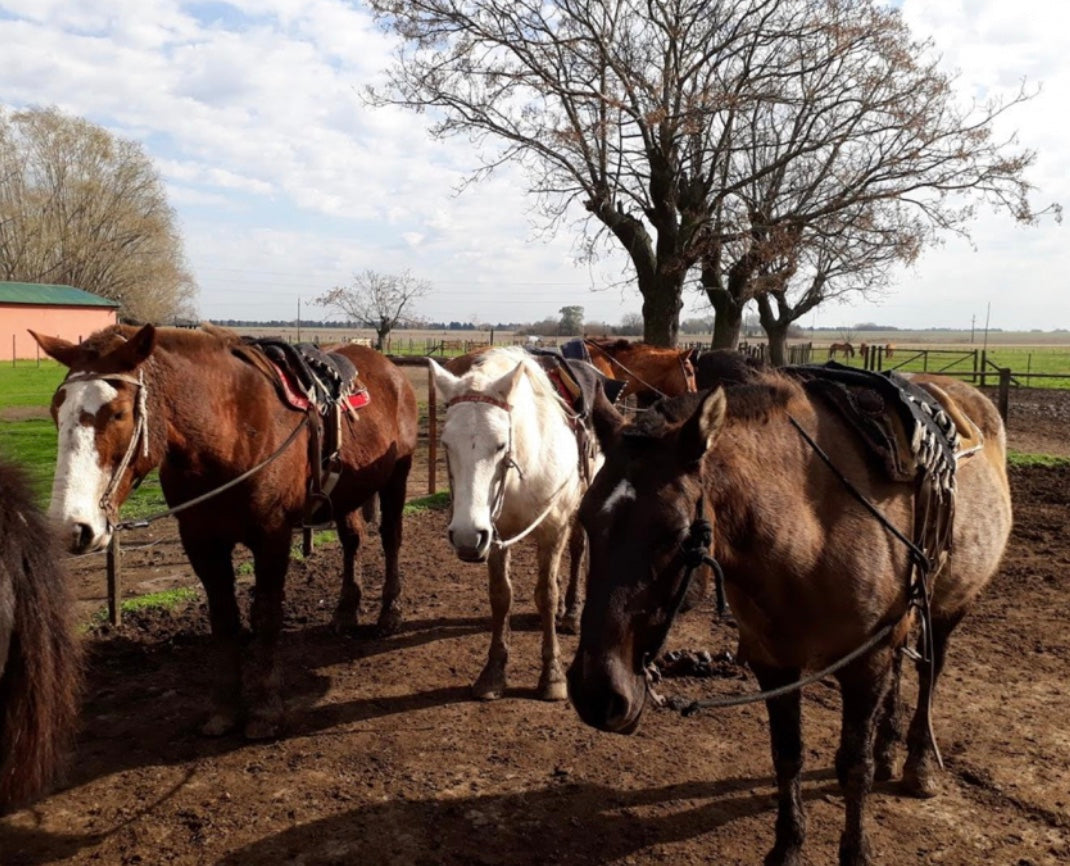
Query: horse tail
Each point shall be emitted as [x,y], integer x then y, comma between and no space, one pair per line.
[40,654]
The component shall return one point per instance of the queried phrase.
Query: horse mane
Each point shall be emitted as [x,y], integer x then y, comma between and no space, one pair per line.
[757,400]
[610,345]
[189,339]
[40,684]
[496,362]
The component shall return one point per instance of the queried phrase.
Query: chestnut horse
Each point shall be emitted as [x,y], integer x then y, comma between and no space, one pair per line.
[650,371]
[40,656]
[846,348]
[186,402]
[810,574]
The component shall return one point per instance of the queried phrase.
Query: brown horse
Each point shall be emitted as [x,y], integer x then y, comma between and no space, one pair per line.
[650,371]
[192,404]
[810,574]
[846,348]
[40,657]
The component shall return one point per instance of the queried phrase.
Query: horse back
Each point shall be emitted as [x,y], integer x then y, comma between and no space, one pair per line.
[392,409]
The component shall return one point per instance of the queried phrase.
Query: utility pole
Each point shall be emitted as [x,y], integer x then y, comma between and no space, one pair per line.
[298,318]
[973,323]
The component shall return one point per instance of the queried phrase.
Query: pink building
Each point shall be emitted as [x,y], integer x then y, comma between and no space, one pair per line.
[57,311]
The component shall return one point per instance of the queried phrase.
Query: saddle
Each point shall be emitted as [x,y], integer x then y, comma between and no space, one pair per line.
[909,430]
[577,382]
[322,384]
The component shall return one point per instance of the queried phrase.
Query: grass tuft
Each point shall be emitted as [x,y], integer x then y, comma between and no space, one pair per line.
[1023,459]
[435,502]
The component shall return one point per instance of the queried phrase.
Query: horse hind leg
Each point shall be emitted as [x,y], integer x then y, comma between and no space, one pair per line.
[552,685]
[571,606]
[919,770]
[346,614]
[490,685]
[865,684]
[211,562]
[391,507]
[785,732]
[889,726]
[271,560]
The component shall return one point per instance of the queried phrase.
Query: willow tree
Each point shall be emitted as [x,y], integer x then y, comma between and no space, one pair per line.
[80,206]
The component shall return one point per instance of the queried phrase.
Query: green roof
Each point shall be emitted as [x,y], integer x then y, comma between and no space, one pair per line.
[40,294]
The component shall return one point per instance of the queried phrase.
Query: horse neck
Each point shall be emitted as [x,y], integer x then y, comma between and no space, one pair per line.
[541,433]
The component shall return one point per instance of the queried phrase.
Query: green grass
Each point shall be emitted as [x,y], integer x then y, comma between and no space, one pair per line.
[168,599]
[435,502]
[27,384]
[1019,458]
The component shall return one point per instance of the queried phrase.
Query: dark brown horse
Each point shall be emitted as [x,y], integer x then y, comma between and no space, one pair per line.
[845,348]
[191,403]
[650,371]
[810,574]
[40,656]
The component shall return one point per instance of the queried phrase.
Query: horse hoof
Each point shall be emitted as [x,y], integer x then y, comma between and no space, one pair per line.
[569,624]
[389,623]
[344,621]
[884,770]
[220,723]
[491,684]
[784,857]
[553,691]
[261,729]
[918,783]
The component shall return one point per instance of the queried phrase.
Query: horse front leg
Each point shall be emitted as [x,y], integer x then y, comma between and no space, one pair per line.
[552,685]
[491,682]
[889,725]
[919,769]
[350,529]
[865,684]
[271,559]
[785,733]
[211,562]
[391,507]
[569,614]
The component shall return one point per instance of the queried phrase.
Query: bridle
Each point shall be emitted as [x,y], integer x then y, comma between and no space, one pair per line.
[140,434]
[501,474]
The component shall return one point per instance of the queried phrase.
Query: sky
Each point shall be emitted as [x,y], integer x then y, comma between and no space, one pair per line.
[285,183]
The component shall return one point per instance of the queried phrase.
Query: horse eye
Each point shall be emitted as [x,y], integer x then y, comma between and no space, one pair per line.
[118,416]
[501,447]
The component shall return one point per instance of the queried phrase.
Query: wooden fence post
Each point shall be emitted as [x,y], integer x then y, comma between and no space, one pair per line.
[1004,392]
[432,433]
[115,580]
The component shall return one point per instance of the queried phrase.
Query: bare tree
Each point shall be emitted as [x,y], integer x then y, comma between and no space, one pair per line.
[374,300]
[82,207]
[728,134]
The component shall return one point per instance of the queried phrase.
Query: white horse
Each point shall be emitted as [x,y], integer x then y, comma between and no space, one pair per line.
[514,471]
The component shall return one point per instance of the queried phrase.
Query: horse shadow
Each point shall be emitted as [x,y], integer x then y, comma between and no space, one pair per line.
[561,823]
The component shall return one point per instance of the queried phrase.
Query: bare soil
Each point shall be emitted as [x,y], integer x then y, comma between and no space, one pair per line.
[387,759]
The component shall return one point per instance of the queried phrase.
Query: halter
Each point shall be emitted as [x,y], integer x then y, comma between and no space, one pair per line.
[141,428]
[501,474]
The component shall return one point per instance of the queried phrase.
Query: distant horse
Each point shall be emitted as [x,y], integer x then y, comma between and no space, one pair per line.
[40,656]
[650,371]
[191,403]
[846,348]
[889,350]
[515,469]
[810,574]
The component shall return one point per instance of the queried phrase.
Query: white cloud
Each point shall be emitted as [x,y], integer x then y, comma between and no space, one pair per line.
[286,183]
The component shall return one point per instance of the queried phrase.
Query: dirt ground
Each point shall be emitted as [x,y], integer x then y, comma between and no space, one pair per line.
[387,760]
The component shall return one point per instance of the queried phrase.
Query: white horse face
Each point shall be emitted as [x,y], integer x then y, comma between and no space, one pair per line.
[94,421]
[477,438]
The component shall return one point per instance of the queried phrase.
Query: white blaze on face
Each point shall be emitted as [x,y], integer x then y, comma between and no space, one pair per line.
[80,480]
[623,492]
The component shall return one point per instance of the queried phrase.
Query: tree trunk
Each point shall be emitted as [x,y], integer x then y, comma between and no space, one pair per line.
[728,321]
[661,313]
[778,344]
[380,339]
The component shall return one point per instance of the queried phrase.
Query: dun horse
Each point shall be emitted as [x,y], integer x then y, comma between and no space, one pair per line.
[40,669]
[187,402]
[650,371]
[810,574]
[515,470]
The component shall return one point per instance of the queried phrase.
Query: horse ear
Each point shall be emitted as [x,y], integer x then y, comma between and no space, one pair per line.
[444,381]
[55,347]
[607,420]
[135,350]
[506,385]
[699,431]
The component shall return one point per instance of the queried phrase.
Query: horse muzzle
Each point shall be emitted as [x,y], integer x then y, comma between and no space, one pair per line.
[470,545]
[606,696]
